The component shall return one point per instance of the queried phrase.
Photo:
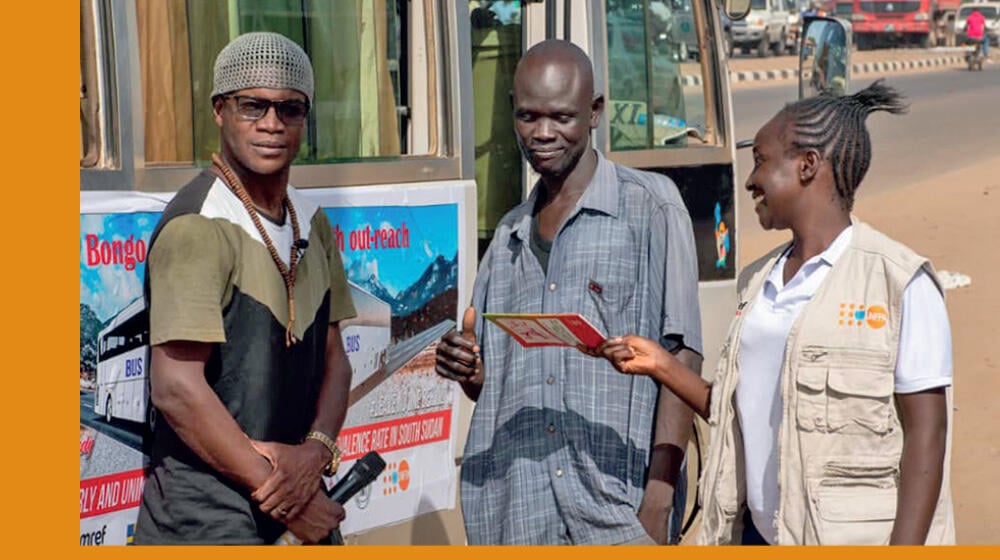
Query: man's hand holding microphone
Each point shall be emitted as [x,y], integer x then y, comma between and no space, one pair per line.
[323,513]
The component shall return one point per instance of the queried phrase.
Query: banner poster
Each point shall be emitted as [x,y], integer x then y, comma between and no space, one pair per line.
[400,246]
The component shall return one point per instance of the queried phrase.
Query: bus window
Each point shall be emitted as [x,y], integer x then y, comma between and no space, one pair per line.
[653,69]
[497,37]
[360,57]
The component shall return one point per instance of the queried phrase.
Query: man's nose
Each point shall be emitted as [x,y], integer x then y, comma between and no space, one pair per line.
[544,130]
[270,120]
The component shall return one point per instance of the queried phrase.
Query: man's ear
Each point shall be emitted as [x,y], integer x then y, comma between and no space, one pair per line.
[217,109]
[596,110]
[810,162]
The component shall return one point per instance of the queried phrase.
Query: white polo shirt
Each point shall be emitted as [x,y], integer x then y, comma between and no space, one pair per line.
[924,362]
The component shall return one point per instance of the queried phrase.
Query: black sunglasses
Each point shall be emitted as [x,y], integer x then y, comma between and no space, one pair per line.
[290,111]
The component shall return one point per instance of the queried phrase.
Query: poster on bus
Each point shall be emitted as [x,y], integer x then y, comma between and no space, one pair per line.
[402,260]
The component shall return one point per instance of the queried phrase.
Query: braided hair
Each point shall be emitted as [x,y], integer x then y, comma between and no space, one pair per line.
[835,127]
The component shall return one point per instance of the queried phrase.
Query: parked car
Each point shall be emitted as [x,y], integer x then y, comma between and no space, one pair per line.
[764,28]
[990,10]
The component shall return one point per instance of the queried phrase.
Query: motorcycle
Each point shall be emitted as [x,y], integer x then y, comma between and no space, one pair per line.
[975,57]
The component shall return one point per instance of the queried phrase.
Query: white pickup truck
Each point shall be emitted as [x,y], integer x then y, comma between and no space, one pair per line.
[765,28]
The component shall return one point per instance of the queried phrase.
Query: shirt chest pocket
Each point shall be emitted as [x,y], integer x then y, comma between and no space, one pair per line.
[845,390]
[608,301]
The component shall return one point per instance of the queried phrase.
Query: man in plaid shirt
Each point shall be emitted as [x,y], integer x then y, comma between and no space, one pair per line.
[562,449]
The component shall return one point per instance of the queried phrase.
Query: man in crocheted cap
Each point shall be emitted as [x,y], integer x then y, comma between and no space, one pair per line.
[246,290]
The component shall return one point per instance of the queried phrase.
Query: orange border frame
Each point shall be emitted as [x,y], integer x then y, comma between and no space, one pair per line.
[42,288]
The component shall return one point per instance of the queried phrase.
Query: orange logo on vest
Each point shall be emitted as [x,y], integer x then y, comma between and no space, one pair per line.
[877,317]
[858,315]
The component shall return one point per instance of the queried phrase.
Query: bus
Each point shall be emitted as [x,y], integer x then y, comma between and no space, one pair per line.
[413,95]
[122,388]
[891,23]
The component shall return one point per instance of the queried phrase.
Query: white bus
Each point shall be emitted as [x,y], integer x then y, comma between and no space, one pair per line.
[122,389]
[366,338]
[415,93]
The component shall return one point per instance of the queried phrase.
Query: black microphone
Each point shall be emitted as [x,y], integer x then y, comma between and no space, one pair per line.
[300,246]
[362,473]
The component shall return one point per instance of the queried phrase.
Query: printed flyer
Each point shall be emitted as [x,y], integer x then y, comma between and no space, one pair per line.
[532,330]
[401,249]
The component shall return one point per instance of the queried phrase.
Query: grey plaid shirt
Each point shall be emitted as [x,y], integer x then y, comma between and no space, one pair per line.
[559,443]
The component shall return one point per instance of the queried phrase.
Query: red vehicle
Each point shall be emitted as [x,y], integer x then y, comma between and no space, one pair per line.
[887,23]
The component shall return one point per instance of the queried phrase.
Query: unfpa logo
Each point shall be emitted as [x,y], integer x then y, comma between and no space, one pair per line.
[396,478]
[857,315]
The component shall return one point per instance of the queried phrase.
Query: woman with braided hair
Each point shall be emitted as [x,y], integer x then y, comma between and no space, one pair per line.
[829,412]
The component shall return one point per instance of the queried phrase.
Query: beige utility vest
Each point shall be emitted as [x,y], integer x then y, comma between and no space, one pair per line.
[840,438]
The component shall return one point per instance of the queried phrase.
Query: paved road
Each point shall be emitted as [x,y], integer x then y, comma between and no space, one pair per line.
[952,124]
[129,433]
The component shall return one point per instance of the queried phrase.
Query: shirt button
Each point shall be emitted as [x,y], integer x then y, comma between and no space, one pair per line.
[558,472]
[550,380]
[550,429]
[552,287]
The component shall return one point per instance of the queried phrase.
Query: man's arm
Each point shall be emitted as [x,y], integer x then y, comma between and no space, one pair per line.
[331,409]
[199,418]
[298,468]
[670,436]
[674,274]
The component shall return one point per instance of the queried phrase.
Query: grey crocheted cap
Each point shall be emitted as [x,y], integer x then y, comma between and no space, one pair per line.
[263,60]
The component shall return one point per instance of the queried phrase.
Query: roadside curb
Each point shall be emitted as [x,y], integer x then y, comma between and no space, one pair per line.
[857,69]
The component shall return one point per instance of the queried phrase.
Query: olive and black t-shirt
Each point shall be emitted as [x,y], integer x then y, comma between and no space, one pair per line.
[212,279]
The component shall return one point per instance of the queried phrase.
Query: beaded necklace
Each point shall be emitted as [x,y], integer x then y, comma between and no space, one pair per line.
[287,272]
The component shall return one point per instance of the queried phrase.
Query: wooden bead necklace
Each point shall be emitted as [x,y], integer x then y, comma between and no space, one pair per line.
[287,272]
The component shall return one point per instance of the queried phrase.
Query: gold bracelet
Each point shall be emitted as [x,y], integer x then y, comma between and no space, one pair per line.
[331,445]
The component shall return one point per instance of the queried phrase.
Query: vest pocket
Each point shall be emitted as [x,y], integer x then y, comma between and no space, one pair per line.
[853,501]
[810,413]
[855,516]
[845,390]
[860,401]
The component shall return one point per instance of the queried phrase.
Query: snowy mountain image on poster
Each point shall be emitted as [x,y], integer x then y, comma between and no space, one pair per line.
[403,264]
[406,256]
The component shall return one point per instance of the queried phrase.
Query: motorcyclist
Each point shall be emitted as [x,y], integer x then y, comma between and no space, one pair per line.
[975,30]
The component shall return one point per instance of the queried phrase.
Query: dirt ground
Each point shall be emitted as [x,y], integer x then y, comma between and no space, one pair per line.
[953,219]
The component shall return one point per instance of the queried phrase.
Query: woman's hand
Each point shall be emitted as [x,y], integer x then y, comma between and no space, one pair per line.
[632,354]
[635,355]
